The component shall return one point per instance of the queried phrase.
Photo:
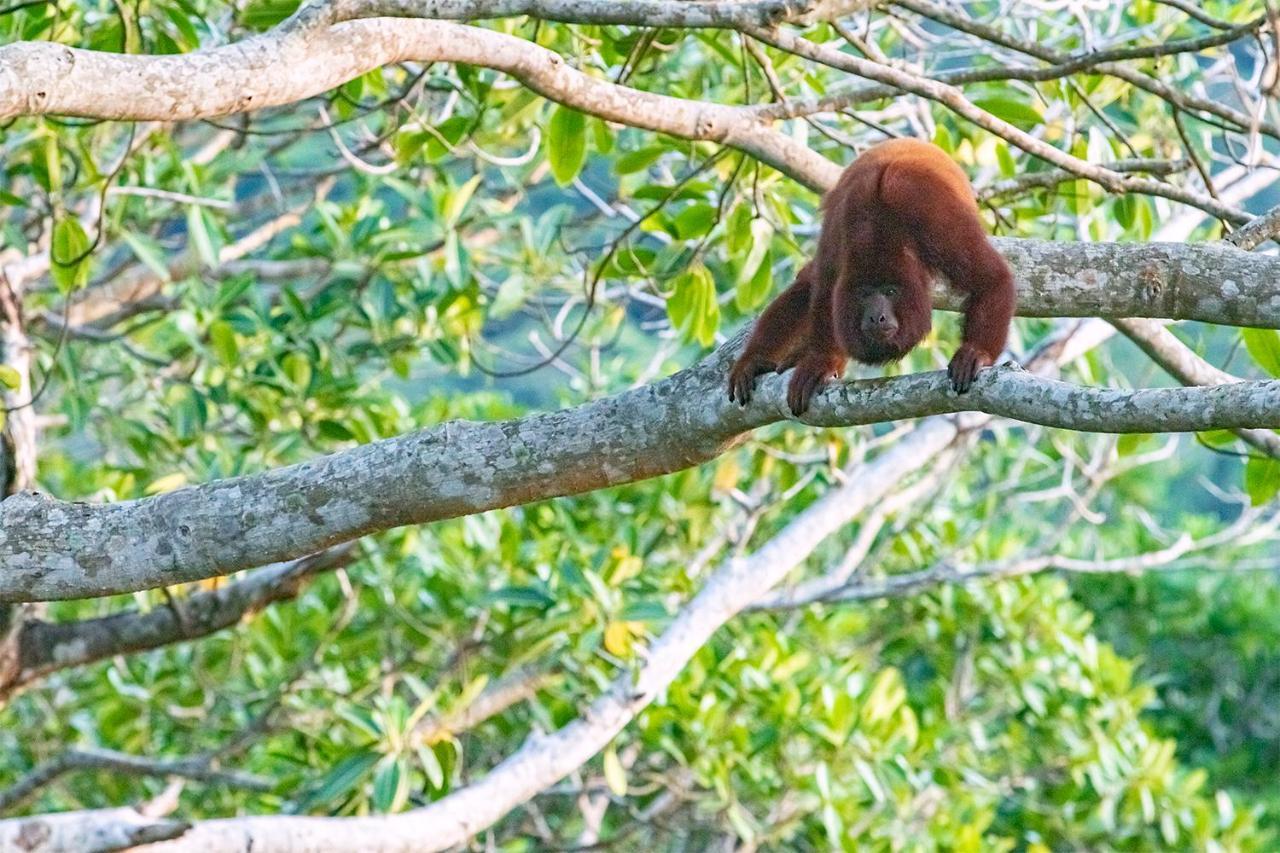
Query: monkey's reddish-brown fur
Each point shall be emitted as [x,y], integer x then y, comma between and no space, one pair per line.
[900,213]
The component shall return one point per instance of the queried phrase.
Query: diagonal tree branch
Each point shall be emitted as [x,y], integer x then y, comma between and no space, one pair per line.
[462,468]
[199,768]
[56,549]
[543,759]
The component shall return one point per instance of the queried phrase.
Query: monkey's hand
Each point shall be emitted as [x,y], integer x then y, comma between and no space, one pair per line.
[811,371]
[965,365]
[742,376]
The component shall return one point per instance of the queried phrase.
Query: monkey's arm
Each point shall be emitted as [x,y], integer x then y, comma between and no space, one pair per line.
[988,311]
[821,357]
[777,338]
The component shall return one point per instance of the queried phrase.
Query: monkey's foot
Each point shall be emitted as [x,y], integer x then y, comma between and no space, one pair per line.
[810,373]
[964,367]
[742,377]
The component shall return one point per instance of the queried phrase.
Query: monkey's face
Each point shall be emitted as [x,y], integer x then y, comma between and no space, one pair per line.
[879,319]
[885,322]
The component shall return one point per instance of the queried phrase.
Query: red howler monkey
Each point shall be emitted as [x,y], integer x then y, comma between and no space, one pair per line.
[901,212]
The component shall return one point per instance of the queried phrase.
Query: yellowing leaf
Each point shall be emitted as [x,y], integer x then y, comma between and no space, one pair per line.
[617,639]
[10,377]
[628,567]
[167,483]
[727,474]
[614,774]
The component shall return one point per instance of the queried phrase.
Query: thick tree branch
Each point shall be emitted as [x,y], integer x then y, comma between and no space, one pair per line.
[54,549]
[308,56]
[543,759]
[1173,281]
[680,14]
[1257,232]
[96,831]
[1178,360]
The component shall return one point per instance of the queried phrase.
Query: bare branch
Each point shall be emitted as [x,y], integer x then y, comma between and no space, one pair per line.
[198,768]
[307,56]
[1257,232]
[955,100]
[1164,348]
[497,697]
[1050,178]
[723,14]
[96,831]
[45,647]
[1250,526]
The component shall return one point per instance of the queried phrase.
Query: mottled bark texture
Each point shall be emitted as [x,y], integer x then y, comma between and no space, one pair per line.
[309,56]
[52,549]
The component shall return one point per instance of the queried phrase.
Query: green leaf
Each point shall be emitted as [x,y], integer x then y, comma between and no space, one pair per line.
[755,292]
[1017,112]
[334,431]
[68,255]
[340,781]
[749,283]
[644,611]
[634,161]
[737,230]
[943,139]
[1126,208]
[223,340]
[520,596]
[298,368]
[693,308]
[456,202]
[601,135]
[146,250]
[1130,443]
[695,220]
[1004,157]
[431,766]
[264,14]
[1262,480]
[1219,438]
[390,785]
[566,144]
[9,377]
[201,237]
[1264,346]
